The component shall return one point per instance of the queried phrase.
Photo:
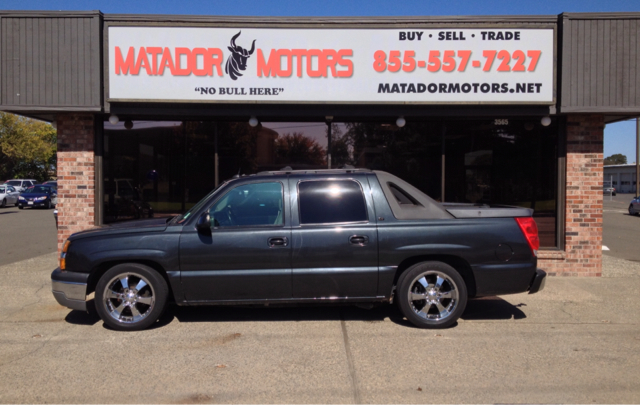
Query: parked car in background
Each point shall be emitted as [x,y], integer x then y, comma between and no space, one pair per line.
[634,206]
[38,196]
[22,184]
[609,190]
[8,195]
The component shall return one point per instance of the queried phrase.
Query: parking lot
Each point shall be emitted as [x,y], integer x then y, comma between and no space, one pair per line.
[577,341]
[622,231]
[26,233]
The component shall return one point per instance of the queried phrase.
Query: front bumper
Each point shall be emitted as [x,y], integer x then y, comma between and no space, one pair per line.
[35,204]
[538,281]
[70,289]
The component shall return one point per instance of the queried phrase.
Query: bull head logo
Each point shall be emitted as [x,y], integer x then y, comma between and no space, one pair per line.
[237,61]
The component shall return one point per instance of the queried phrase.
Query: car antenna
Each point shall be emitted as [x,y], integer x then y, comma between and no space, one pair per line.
[236,176]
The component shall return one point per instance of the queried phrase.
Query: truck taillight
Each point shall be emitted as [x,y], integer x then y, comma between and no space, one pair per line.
[63,255]
[530,230]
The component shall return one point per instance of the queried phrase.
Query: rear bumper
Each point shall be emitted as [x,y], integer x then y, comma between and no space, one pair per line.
[70,289]
[538,281]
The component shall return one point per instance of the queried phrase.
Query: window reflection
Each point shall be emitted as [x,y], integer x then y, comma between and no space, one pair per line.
[164,167]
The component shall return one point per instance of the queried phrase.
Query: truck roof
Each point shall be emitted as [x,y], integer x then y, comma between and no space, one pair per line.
[289,170]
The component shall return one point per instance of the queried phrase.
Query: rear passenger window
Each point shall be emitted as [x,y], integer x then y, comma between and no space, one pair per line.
[331,201]
[402,197]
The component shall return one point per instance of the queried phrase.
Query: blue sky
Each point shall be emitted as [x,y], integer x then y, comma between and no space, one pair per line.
[619,137]
[328,7]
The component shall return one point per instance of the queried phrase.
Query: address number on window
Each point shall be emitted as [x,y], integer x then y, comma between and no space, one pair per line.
[501,121]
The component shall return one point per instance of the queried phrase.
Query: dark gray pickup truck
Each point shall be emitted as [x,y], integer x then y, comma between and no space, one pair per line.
[325,236]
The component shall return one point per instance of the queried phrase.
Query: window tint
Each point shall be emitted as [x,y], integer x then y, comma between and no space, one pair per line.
[249,205]
[402,196]
[331,201]
[14,183]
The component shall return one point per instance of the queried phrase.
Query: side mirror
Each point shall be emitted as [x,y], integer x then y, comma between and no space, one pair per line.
[204,223]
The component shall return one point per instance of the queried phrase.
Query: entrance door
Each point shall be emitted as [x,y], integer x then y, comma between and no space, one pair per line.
[248,254]
[334,239]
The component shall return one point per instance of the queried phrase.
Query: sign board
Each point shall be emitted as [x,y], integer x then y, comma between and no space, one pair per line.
[278,65]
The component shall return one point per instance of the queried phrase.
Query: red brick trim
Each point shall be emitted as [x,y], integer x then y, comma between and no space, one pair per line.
[75,174]
[583,210]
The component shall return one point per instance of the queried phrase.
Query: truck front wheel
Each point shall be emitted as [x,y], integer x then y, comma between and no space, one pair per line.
[131,296]
[432,295]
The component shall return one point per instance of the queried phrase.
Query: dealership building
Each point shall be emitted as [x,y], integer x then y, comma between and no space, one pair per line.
[154,111]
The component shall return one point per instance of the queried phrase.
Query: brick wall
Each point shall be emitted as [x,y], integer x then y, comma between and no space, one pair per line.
[583,212]
[75,174]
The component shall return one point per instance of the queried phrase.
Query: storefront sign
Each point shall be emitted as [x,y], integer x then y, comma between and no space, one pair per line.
[185,64]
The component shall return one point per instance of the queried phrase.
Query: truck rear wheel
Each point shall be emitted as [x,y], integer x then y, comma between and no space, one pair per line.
[131,296]
[432,295]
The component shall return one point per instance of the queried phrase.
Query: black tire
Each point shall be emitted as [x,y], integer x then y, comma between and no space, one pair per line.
[49,204]
[148,302]
[4,203]
[450,294]
[20,207]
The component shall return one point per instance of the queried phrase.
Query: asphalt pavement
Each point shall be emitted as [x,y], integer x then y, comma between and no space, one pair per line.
[26,233]
[621,231]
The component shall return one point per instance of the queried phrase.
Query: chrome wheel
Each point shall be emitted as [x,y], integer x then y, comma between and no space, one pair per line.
[128,298]
[433,296]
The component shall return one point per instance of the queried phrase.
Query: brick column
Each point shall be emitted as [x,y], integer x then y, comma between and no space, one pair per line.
[75,174]
[583,212]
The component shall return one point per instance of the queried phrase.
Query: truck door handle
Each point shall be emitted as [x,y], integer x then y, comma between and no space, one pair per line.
[359,240]
[277,241]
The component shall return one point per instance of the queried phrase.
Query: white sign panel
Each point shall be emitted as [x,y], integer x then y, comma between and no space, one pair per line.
[183,64]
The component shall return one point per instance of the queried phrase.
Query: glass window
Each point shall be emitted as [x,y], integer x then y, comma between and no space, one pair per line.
[249,205]
[331,201]
[402,196]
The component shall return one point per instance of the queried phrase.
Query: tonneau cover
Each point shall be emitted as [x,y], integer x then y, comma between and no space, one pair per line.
[485,211]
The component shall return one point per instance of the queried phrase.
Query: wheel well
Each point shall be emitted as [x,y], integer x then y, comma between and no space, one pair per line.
[102,268]
[456,262]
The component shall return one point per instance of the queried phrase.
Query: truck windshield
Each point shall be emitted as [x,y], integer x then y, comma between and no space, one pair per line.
[181,218]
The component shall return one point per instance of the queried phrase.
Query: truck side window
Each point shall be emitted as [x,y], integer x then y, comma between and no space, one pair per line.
[249,205]
[331,201]
[402,196]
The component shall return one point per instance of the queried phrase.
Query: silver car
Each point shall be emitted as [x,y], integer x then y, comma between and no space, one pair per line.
[21,184]
[8,195]
[609,190]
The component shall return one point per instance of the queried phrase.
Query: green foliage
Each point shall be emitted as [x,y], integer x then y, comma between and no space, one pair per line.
[617,159]
[27,148]
[297,148]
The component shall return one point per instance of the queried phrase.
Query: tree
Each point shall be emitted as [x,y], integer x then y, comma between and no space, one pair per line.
[27,148]
[617,159]
[296,148]
[341,148]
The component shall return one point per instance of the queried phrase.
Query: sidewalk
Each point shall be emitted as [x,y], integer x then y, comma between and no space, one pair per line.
[577,341]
